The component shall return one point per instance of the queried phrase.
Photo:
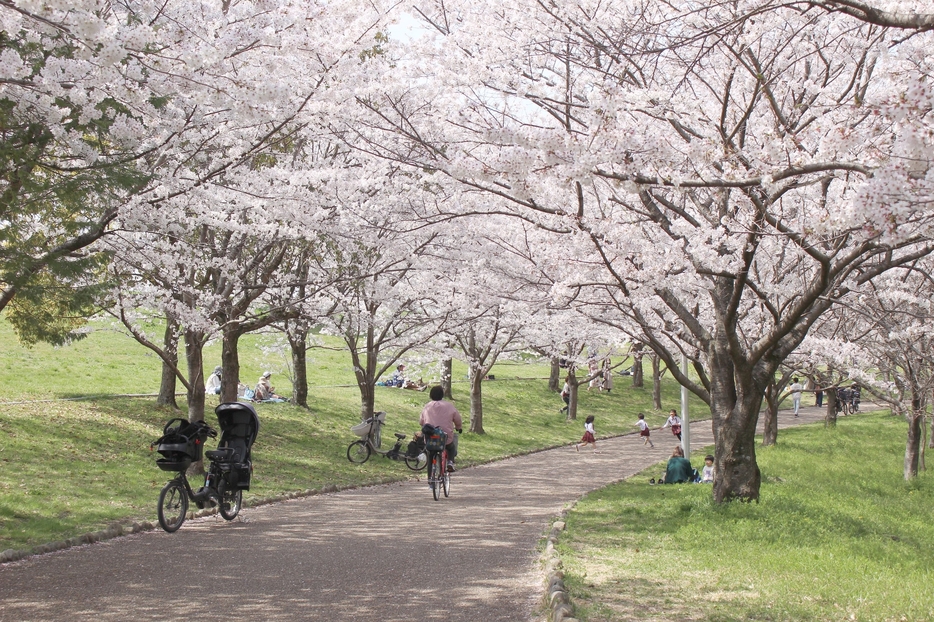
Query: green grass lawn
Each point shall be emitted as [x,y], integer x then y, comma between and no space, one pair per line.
[69,467]
[838,535]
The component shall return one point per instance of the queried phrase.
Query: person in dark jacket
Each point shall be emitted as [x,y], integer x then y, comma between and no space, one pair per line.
[679,468]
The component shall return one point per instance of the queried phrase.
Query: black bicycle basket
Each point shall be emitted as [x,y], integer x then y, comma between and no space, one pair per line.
[435,440]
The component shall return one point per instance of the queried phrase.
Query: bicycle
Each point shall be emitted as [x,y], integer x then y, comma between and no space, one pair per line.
[360,451]
[230,467]
[439,476]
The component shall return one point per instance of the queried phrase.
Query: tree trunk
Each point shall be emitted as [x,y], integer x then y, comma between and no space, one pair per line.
[914,443]
[168,385]
[572,394]
[447,373]
[915,434]
[194,356]
[656,383]
[476,401]
[830,418]
[297,342]
[735,411]
[230,361]
[637,377]
[770,423]
[554,378]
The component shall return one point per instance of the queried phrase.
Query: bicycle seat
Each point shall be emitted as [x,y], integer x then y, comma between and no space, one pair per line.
[224,453]
[400,436]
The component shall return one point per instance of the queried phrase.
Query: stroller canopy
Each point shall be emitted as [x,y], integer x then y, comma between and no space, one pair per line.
[239,425]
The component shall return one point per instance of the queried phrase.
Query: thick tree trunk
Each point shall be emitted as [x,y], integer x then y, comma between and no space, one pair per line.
[297,342]
[168,385]
[230,361]
[476,401]
[554,378]
[770,423]
[734,425]
[830,418]
[447,373]
[638,379]
[194,344]
[656,383]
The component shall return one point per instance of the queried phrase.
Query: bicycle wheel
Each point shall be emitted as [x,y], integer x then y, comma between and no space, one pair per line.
[417,463]
[230,500]
[434,475]
[173,506]
[358,452]
[446,482]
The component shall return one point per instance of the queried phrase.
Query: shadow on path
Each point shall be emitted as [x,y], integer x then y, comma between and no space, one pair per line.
[385,553]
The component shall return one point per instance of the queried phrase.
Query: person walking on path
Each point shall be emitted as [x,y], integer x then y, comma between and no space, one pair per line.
[588,438]
[441,414]
[644,431]
[796,388]
[674,422]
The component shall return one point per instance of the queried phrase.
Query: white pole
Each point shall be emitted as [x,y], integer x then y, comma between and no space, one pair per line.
[685,422]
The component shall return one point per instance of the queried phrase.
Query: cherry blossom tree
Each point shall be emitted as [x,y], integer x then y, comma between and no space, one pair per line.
[888,324]
[717,192]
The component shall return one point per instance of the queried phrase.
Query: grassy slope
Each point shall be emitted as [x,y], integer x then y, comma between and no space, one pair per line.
[838,535]
[67,467]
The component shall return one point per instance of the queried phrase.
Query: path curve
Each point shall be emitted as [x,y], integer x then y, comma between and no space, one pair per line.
[371,554]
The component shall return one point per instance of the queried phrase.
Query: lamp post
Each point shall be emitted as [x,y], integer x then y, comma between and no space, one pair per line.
[685,423]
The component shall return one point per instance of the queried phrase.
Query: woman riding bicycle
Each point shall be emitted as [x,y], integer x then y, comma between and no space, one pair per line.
[442,415]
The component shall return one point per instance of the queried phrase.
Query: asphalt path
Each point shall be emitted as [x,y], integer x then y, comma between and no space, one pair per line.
[384,553]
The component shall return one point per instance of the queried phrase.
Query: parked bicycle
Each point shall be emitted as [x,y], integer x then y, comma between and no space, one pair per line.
[228,474]
[370,430]
[439,474]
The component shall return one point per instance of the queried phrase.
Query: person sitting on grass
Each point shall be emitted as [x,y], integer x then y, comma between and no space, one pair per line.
[679,468]
[265,392]
[708,470]
[213,385]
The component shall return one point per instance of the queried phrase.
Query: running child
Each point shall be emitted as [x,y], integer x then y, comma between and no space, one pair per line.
[644,431]
[588,438]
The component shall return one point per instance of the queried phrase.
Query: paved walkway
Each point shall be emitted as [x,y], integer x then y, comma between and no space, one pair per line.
[373,554]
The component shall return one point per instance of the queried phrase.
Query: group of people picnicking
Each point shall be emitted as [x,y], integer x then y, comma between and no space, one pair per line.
[264,391]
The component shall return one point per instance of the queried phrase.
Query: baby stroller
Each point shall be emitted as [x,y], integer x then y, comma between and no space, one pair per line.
[239,426]
[230,470]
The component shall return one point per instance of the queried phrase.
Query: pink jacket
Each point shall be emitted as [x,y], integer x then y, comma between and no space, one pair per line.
[442,415]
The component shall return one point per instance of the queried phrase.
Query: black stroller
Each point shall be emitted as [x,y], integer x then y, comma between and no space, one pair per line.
[230,470]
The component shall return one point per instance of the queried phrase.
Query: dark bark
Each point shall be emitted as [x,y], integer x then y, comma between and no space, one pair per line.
[554,378]
[572,393]
[230,361]
[656,383]
[638,379]
[476,401]
[169,383]
[735,411]
[914,443]
[297,342]
[447,374]
[770,422]
[194,356]
[830,397]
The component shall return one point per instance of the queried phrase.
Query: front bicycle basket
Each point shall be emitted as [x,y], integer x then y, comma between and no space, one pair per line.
[435,440]
[362,429]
